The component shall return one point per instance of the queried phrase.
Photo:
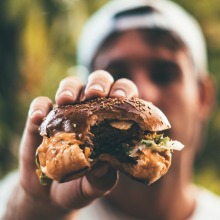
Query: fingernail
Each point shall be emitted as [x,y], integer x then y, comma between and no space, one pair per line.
[119,92]
[32,113]
[66,92]
[96,87]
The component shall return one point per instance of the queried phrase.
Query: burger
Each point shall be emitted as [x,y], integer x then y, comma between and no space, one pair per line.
[126,133]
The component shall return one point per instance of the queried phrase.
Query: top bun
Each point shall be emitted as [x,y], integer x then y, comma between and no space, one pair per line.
[81,116]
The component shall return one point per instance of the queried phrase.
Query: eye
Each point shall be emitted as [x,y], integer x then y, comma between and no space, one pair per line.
[165,73]
[119,69]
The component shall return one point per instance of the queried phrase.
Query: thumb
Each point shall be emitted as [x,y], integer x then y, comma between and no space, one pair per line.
[31,140]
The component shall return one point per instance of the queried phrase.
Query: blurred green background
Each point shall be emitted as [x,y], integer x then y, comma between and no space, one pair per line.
[37,48]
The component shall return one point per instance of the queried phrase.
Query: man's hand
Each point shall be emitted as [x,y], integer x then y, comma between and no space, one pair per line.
[55,201]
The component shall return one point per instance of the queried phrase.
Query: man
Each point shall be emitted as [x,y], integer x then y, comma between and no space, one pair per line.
[150,49]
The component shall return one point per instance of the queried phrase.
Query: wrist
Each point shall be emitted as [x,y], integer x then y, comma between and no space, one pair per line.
[28,207]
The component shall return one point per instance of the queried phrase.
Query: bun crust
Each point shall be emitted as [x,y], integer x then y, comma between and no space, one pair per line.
[68,140]
[78,117]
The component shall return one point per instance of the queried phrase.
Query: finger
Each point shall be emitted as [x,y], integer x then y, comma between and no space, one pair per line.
[68,91]
[82,96]
[124,88]
[31,139]
[79,193]
[99,84]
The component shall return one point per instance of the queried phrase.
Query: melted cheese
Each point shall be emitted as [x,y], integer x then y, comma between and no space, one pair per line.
[122,125]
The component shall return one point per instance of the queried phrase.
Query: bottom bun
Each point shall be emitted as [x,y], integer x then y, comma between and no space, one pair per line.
[150,166]
[61,158]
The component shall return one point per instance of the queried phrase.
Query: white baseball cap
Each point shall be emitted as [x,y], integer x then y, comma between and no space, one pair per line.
[164,14]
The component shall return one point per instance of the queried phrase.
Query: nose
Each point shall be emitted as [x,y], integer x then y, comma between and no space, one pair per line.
[148,90]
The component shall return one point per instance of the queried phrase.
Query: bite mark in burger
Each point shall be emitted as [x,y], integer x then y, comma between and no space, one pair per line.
[120,131]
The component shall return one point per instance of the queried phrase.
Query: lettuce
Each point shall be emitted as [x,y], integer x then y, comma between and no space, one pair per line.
[44,180]
[158,142]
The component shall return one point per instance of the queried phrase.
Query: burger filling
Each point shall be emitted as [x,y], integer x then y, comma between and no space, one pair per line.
[122,140]
[115,137]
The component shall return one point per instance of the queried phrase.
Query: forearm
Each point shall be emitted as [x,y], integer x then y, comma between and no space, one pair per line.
[23,206]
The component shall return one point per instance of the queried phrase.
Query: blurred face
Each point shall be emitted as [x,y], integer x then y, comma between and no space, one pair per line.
[163,76]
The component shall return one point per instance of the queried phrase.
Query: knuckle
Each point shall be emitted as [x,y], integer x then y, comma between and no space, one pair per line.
[126,85]
[71,80]
[101,75]
[38,101]
[125,81]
